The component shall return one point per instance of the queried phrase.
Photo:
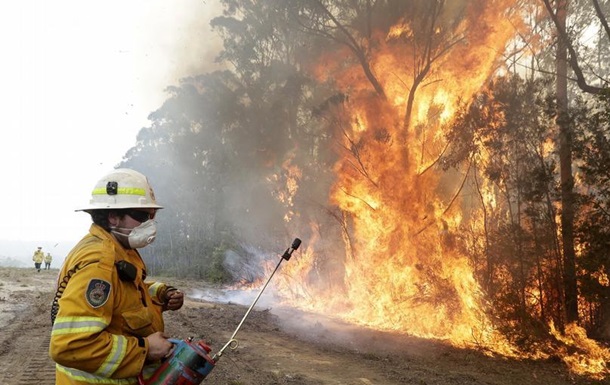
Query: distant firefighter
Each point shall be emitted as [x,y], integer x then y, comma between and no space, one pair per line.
[47,261]
[38,257]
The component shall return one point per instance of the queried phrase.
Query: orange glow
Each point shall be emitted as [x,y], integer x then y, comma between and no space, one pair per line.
[586,357]
[402,271]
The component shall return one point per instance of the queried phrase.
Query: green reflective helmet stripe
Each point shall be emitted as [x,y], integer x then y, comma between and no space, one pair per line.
[121,191]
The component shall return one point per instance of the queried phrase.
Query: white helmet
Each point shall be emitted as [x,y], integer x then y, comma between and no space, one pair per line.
[122,188]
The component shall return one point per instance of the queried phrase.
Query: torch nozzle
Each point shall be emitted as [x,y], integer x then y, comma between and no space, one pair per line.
[295,245]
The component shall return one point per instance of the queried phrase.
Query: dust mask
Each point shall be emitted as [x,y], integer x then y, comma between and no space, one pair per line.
[142,235]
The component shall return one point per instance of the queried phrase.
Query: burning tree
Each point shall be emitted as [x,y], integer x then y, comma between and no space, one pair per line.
[402,68]
[417,166]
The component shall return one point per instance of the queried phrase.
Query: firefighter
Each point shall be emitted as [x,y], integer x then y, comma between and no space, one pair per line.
[47,261]
[38,257]
[107,321]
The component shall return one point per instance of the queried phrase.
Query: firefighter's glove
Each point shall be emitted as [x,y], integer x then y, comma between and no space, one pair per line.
[174,299]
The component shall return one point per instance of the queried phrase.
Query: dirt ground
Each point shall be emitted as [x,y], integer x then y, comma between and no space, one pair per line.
[272,350]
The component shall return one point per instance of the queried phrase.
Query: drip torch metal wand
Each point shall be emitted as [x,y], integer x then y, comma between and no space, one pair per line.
[232,343]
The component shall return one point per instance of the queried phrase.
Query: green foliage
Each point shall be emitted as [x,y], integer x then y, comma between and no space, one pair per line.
[216,273]
[592,154]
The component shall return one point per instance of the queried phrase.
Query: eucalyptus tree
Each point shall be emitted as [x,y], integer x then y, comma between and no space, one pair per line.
[504,133]
[592,154]
[276,136]
[584,34]
[571,52]
[183,150]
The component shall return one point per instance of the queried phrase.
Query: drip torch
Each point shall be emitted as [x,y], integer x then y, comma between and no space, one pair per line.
[190,363]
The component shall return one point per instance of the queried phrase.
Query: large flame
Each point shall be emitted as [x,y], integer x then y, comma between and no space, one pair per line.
[402,270]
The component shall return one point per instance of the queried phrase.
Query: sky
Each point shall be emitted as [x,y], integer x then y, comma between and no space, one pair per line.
[78,80]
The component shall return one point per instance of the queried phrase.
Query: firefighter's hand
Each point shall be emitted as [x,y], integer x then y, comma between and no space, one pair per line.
[174,299]
[158,346]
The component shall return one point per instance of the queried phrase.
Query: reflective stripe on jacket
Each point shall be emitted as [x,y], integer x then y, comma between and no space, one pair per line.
[95,335]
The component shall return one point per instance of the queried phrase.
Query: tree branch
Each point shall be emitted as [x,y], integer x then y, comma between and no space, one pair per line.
[581,81]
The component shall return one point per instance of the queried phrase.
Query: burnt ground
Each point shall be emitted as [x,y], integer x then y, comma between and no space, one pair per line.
[271,350]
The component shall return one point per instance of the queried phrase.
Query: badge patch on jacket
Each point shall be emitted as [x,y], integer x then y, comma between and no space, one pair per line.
[98,292]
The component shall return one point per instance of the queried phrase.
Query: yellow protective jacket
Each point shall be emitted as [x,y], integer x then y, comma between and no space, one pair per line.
[48,258]
[98,334]
[38,256]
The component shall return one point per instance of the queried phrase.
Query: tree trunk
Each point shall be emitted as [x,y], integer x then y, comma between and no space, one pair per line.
[567,181]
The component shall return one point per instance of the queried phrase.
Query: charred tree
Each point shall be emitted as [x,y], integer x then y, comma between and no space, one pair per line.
[565,162]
